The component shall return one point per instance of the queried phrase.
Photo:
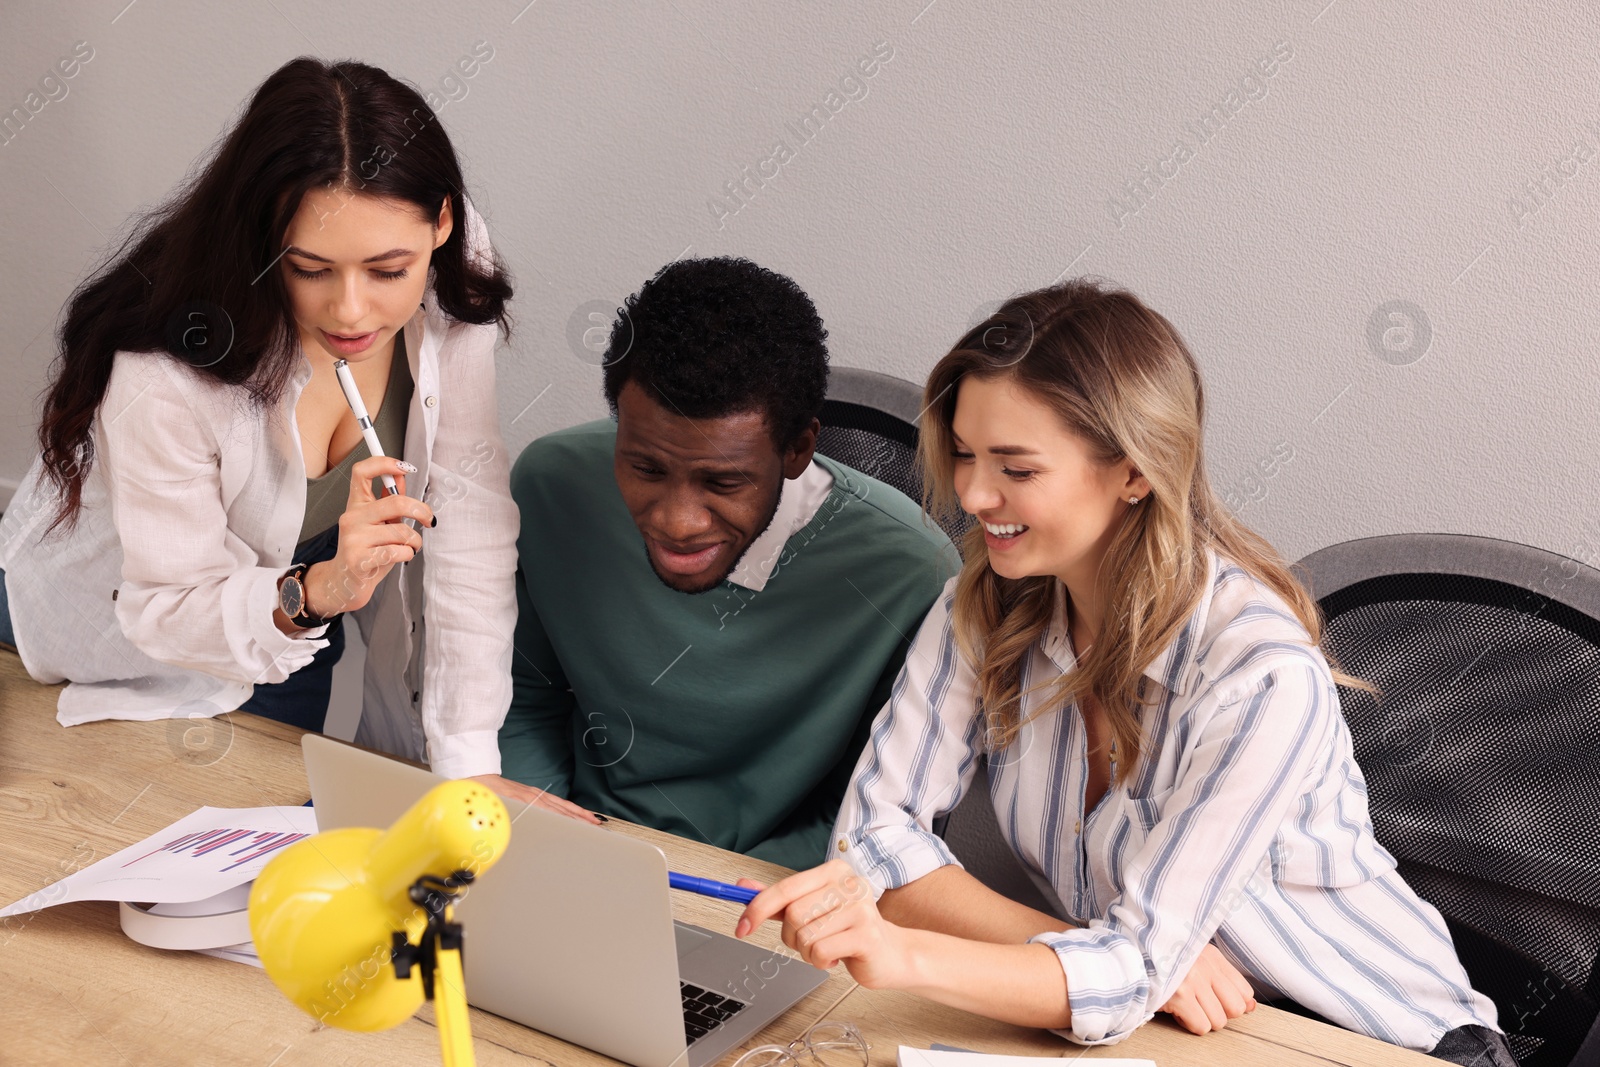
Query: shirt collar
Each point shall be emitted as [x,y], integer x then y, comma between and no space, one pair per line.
[1173,668]
[798,502]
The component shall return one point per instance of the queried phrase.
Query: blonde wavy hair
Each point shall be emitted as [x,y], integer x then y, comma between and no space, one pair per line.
[1121,378]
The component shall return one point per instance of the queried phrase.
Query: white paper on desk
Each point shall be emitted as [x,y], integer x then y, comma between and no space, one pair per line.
[199,856]
[245,953]
[926,1057]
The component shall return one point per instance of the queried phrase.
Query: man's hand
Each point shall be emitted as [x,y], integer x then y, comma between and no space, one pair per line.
[538,797]
[1211,993]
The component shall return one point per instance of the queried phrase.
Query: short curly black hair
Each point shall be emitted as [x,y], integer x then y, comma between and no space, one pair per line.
[723,336]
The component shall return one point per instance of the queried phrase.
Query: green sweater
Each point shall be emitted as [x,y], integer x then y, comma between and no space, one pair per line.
[733,717]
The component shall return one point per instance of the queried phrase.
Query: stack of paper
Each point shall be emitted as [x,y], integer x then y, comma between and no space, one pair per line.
[245,953]
[212,853]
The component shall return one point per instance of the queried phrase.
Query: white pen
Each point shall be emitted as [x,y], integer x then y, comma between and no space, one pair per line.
[352,396]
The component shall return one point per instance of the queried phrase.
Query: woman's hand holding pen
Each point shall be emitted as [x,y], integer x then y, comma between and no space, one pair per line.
[373,537]
[829,916]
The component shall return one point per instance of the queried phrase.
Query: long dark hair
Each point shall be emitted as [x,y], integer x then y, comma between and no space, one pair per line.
[196,277]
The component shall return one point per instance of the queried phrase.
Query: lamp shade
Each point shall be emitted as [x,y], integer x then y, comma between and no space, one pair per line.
[324,912]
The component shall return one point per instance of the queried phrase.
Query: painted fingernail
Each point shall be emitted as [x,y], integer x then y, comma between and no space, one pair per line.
[435,521]
[597,815]
[408,468]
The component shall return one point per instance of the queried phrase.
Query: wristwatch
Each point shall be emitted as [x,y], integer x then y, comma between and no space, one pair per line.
[292,598]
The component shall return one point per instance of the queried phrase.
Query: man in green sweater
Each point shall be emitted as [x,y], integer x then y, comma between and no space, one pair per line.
[710,614]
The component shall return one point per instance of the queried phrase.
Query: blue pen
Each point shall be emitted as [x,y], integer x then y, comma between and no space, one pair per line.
[710,887]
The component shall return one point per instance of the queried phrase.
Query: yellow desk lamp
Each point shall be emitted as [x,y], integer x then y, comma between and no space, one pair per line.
[342,918]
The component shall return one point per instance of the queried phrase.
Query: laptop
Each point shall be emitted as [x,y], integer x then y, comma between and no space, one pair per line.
[571,931]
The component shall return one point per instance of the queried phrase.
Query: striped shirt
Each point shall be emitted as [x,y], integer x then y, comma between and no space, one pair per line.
[1244,824]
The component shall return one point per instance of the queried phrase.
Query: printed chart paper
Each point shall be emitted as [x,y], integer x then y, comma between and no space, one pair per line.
[199,856]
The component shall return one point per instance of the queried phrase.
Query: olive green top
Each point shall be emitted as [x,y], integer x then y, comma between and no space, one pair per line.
[327,496]
[749,742]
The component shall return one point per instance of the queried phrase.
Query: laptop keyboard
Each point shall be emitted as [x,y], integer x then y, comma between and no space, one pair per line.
[704,1011]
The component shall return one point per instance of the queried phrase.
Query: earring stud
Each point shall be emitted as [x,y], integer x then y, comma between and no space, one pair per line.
[1133,500]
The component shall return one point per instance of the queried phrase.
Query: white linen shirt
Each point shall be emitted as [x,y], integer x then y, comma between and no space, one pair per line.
[159,602]
[1244,824]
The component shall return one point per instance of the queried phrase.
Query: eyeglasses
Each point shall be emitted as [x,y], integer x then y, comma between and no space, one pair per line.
[827,1043]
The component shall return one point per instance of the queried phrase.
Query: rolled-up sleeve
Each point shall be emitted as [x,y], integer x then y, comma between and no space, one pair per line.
[1213,833]
[192,593]
[919,760]
[468,576]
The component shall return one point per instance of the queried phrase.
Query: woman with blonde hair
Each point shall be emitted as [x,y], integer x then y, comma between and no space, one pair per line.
[1162,732]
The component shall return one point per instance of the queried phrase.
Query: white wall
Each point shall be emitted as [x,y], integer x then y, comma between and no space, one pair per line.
[1383,163]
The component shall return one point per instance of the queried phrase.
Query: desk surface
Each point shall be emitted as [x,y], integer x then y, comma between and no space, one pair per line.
[80,992]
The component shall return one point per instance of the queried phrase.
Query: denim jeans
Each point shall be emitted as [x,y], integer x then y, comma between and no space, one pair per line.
[6,636]
[1477,1046]
[302,698]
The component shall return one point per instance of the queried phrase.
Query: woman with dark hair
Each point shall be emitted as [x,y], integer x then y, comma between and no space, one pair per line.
[203,512]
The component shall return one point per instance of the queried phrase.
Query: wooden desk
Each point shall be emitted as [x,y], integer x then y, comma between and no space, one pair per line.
[80,992]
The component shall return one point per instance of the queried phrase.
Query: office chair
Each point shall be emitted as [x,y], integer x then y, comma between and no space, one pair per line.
[972,831]
[1482,758]
[869,422]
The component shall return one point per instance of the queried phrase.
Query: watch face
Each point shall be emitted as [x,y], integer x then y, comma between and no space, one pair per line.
[291,597]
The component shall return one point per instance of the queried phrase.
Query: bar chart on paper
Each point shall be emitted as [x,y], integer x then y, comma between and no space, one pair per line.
[252,846]
[199,856]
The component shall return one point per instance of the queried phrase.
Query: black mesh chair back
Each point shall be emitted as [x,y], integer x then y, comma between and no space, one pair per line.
[1482,758]
[869,422]
[972,830]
